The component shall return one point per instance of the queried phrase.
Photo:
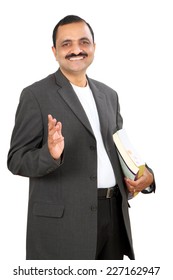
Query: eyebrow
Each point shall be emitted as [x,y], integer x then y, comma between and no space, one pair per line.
[81,39]
[66,41]
[84,38]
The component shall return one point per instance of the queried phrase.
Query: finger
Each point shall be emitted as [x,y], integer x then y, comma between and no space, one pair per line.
[54,130]
[131,188]
[59,128]
[50,118]
[53,127]
[55,133]
[51,131]
[55,139]
[131,182]
[57,136]
[51,122]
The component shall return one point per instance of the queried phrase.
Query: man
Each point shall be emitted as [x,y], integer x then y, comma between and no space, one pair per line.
[62,141]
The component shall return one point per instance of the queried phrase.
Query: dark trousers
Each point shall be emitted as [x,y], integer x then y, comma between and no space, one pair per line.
[111,236]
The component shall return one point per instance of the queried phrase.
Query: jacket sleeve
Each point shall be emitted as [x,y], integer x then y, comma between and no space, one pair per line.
[29,155]
[152,187]
[119,117]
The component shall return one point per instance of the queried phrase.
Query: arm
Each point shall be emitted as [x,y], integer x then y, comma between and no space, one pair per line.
[29,153]
[146,183]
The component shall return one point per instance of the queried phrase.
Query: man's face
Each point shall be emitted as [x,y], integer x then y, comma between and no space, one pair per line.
[74,48]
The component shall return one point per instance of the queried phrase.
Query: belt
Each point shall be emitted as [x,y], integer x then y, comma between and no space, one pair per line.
[108,192]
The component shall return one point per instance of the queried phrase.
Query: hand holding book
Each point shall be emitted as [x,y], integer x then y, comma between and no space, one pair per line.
[137,176]
[139,184]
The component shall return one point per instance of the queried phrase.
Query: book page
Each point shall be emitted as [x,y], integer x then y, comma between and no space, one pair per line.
[129,148]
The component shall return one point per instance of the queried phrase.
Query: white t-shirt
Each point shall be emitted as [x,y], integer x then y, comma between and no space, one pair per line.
[105,173]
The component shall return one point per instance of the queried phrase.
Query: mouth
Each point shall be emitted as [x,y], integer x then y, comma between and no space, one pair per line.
[74,57]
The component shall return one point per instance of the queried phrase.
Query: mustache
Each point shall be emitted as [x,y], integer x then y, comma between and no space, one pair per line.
[76,55]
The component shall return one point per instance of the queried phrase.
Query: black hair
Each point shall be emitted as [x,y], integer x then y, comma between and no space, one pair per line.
[67,20]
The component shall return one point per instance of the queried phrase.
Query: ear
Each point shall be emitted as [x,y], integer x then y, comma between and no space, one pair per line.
[54,51]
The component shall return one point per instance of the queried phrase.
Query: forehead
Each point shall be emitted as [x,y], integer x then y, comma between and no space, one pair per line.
[73,31]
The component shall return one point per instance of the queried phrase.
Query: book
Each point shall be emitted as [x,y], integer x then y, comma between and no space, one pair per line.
[131,162]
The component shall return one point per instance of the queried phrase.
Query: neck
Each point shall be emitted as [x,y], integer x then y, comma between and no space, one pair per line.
[79,80]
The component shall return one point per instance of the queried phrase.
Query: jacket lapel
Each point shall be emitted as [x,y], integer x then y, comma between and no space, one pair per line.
[100,100]
[67,93]
[69,96]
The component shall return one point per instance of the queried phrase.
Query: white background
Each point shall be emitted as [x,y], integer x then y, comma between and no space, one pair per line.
[134,55]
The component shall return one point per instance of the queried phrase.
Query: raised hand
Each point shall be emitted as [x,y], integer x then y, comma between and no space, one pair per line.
[55,138]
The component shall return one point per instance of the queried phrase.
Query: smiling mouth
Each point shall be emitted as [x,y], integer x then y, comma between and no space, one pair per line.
[76,58]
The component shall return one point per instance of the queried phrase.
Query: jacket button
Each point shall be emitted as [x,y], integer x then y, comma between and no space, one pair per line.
[92,148]
[93,208]
[50,170]
[93,177]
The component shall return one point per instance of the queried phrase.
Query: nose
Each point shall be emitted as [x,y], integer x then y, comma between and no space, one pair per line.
[76,49]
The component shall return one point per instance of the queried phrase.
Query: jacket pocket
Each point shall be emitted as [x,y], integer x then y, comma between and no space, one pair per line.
[48,210]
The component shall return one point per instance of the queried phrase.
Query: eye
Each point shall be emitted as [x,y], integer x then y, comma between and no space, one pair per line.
[65,44]
[85,42]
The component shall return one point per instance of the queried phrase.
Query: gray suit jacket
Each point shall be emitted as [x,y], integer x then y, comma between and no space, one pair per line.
[62,216]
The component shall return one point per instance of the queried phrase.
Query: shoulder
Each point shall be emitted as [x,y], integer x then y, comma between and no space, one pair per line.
[45,83]
[40,89]
[107,90]
[102,86]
